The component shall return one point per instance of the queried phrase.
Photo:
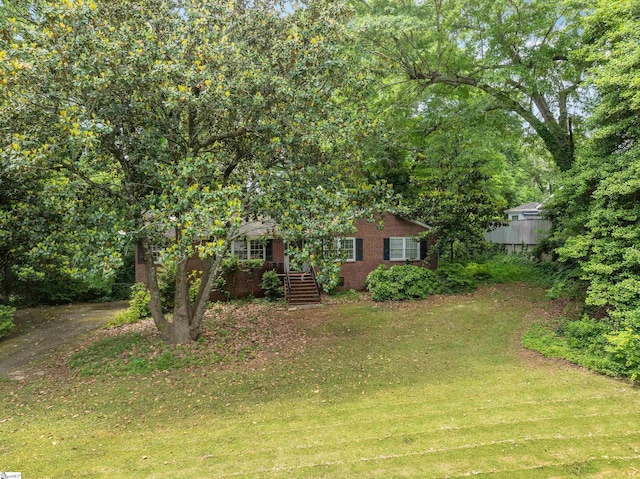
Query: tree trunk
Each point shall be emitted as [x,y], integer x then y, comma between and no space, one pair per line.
[155,301]
[182,310]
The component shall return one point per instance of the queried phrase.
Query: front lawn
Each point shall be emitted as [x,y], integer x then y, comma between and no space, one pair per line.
[433,388]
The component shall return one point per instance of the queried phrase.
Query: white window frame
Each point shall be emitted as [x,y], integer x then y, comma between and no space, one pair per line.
[247,244]
[404,249]
[155,250]
[337,247]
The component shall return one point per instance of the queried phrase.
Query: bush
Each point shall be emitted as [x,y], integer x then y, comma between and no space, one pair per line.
[272,285]
[6,320]
[138,307]
[455,278]
[401,282]
[586,334]
[624,348]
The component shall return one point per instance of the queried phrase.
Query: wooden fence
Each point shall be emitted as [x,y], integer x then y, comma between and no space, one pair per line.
[519,235]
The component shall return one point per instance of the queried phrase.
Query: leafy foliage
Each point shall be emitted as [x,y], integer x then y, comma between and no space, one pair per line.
[183,121]
[401,282]
[455,278]
[6,320]
[138,307]
[272,285]
[516,53]
[596,212]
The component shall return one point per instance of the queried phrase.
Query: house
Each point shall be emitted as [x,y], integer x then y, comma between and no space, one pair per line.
[363,252]
[525,228]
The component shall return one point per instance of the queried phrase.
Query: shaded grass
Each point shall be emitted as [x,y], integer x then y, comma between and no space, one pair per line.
[435,388]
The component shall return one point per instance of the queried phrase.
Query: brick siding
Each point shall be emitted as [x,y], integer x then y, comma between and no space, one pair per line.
[353,273]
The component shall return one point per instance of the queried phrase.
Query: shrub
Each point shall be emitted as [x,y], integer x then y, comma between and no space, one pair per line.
[6,320]
[586,334]
[454,278]
[509,269]
[401,282]
[624,348]
[138,307]
[272,285]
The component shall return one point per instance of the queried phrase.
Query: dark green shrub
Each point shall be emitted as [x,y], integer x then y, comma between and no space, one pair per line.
[401,282]
[6,320]
[272,285]
[586,334]
[454,278]
[509,268]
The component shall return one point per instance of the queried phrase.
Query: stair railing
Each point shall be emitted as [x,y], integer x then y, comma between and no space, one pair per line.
[288,288]
[315,281]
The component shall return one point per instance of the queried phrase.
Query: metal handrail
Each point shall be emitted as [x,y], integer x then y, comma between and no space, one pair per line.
[288,292]
[315,281]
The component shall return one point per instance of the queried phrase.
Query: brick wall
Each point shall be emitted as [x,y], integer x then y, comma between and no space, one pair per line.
[354,273]
[239,285]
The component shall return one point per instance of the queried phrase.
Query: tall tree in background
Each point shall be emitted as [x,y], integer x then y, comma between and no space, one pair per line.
[519,53]
[186,118]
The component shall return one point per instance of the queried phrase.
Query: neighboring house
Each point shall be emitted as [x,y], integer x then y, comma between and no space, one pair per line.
[368,248]
[525,228]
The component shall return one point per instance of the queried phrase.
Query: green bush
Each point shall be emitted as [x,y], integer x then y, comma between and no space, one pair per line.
[401,282]
[586,334]
[454,278]
[138,307]
[510,268]
[272,285]
[624,348]
[6,320]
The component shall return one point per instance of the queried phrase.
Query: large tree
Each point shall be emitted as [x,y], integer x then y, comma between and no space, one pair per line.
[597,212]
[188,117]
[517,52]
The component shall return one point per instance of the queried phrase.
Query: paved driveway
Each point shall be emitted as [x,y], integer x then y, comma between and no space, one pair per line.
[43,329]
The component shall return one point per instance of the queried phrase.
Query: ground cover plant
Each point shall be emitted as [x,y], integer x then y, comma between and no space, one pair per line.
[432,388]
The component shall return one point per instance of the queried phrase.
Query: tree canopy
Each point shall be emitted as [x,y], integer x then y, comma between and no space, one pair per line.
[185,118]
[519,53]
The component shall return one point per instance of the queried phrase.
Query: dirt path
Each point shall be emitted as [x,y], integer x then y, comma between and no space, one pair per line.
[43,329]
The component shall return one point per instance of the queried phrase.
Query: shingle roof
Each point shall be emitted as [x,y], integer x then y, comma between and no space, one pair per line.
[533,206]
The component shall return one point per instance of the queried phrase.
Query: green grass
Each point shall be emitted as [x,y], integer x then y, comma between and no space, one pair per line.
[435,388]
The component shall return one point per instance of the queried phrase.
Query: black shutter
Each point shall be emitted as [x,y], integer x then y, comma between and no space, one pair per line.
[140,254]
[424,249]
[269,250]
[359,249]
[385,249]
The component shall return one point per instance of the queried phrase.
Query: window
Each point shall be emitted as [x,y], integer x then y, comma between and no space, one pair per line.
[345,248]
[515,217]
[156,253]
[249,249]
[256,249]
[403,249]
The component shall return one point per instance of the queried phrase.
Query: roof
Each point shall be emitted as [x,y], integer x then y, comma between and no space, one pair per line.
[265,227]
[534,206]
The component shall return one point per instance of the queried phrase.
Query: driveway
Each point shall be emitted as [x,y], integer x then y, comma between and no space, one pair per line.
[41,330]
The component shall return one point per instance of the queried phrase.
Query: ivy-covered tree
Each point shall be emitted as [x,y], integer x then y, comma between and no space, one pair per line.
[518,53]
[187,118]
